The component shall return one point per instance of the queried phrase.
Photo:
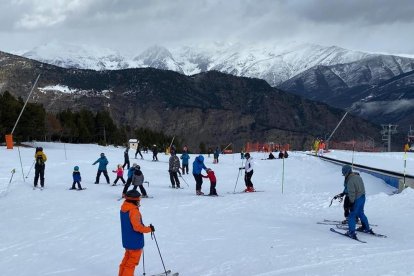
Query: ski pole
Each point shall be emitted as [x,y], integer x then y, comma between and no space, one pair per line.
[143,261]
[12,173]
[155,239]
[147,182]
[30,169]
[184,181]
[234,190]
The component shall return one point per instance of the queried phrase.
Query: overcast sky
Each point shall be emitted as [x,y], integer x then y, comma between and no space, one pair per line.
[132,25]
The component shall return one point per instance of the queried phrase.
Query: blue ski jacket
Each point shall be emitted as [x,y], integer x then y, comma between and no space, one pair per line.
[185,157]
[102,163]
[198,165]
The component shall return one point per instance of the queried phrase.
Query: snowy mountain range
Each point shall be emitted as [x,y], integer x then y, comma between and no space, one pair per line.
[275,63]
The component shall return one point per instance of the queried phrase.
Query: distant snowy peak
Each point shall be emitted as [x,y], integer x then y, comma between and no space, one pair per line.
[78,56]
[274,63]
[157,57]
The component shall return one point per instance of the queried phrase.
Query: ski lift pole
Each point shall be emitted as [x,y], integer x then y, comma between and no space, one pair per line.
[24,106]
[226,147]
[405,166]
[21,165]
[283,172]
[330,136]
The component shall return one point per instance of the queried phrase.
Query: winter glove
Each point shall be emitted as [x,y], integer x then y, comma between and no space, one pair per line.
[152,228]
[241,168]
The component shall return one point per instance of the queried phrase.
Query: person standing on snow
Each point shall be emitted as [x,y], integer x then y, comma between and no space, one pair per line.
[213,181]
[173,169]
[40,159]
[216,155]
[133,230]
[76,178]
[154,153]
[129,178]
[138,152]
[248,167]
[185,157]
[356,194]
[198,165]
[103,162]
[138,181]
[126,158]
[119,175]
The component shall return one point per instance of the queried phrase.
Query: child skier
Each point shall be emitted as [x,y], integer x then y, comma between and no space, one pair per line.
[76,178]
[119,175]
[129,179]
[138,181]
[210,175]
[185,157]
[133,230]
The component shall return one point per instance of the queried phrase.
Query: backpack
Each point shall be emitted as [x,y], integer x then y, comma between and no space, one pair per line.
[39,160]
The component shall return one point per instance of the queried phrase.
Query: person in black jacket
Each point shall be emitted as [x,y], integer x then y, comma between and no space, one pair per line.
[173,169]
[126,158]
[154,153]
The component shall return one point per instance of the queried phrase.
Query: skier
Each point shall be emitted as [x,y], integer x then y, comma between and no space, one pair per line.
[129,179]
[40,159]
[103,162]
[281,155]
[216,155]
[321,148]
[271,156]
[285,154]
[248,167]
[173,169]
[138,181]
[198,165]
[138,151]
[210,175]
[133,230]
[154,153]
[356,193]
[119,175]
[185,157]
[126,158]
[76,178]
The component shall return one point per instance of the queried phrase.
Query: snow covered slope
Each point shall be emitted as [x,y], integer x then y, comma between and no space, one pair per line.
[62,232]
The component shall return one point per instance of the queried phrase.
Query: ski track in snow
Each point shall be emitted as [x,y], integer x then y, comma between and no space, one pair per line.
[61,232]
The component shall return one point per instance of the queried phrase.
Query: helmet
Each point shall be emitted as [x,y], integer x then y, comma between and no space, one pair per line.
[132,195]
[247,155]
[76,168]
[102,154]
[346,170]
[134,165]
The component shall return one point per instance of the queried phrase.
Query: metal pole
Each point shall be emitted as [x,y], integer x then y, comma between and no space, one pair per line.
[21,165]
[21,112]
[330,136]
[389,138]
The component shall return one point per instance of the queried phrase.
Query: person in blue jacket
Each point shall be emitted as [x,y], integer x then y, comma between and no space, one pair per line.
[198,165]
[216,155]
[103,162]
[185,157]
[76,178]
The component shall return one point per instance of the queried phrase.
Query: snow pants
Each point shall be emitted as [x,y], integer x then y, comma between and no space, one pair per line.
[248,179]
[185,168]
[119,177]
[174,179]
[98,175]
[213,188]
[126,163]
[141,188]
[358,211]
[138,152]
[39,172]
[199,181]
[127,184]
[79,185]
[129,262]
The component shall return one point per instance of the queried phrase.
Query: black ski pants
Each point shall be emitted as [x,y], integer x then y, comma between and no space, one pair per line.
[127,184]
[119,177]
[39,172]
[138,152]
[141,188]
[174,179]
[98,175]
[185,168]
[213,188]
[199,181]
[126,162]
[79,185]
[248,179]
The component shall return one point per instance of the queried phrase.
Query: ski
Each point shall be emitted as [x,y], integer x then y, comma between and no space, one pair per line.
[175,187]
[167,273]
[335,222]
[344,227]
[345,235]
[243,192]
[76,189]
[121,198]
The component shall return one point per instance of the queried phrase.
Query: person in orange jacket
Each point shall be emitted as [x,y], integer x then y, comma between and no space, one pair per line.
[133,230]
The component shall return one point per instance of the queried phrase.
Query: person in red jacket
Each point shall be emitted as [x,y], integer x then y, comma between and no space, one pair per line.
[210,175]
[133,230]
